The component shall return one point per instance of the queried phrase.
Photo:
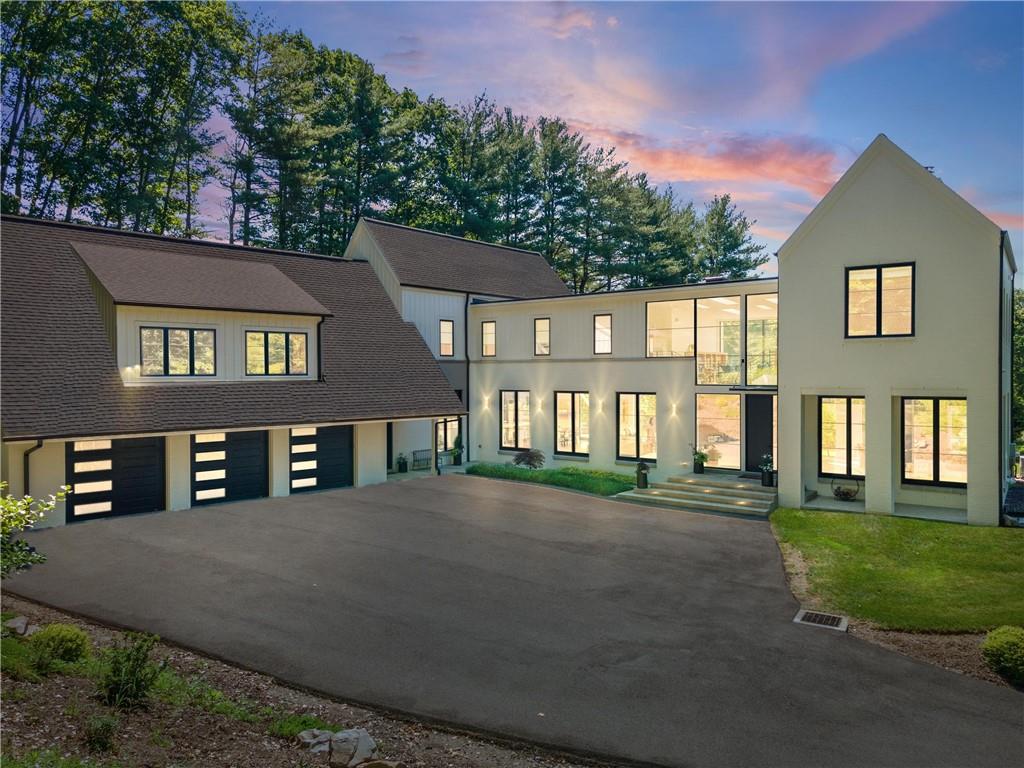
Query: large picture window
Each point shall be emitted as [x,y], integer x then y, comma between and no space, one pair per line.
[763,339]
[447,338]
[446,432]
[275,353]
[880,300]
[602,334]
[572,423]
[935,441]
[178,351]
[670,328]
[841,437]
[718,340]
[718,429]
[488,338]
[542,336]
[637,426]
[515,420]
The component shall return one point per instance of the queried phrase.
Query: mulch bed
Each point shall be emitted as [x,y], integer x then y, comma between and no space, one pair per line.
[51,714]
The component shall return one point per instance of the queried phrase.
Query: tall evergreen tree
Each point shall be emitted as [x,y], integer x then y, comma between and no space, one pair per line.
[725,244]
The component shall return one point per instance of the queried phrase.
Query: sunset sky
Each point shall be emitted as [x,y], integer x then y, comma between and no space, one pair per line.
[770,102]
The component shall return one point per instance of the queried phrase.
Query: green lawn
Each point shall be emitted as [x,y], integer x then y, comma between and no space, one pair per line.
[589,480]
[910,574]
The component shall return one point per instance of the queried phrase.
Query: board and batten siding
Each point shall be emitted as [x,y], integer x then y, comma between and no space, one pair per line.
[362,247]
[230,328]
[425,309]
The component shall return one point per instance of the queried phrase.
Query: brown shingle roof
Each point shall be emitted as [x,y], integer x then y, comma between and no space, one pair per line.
[59,374]
[432,260]
[155,278]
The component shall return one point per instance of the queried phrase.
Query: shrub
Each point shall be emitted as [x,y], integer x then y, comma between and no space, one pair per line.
[588,480]
[64,642]
[16,660]
[129,675]
[1003,650]
[17,515]
[99,731]
[290,726]
[531,457]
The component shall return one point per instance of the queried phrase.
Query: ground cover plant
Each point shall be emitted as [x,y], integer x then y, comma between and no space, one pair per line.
[589,480]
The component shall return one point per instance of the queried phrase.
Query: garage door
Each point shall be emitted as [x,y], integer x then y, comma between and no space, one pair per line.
[228,466]
[321,458]
[114,477]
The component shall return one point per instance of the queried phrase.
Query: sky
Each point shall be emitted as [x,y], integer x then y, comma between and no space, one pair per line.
[769,102]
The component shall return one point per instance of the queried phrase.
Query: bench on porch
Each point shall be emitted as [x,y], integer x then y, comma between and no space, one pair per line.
[422,459]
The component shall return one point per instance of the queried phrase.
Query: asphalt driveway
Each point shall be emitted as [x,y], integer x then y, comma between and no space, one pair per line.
[604,627]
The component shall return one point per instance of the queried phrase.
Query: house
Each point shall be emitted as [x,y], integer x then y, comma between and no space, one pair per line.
[156,373]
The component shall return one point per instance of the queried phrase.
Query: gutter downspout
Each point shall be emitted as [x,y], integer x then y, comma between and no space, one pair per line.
[319,351]
[465,352]
[999,382]
[26,473]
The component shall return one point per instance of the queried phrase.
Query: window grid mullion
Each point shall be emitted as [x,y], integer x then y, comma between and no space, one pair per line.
[936,439]
[167,354]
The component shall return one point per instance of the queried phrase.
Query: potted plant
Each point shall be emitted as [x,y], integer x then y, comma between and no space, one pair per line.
[403,463]
[457,450]
[641,474]
[767,467]
[699,460]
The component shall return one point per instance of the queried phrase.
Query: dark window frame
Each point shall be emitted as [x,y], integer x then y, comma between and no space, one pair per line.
[266,354]
[848,475]
[440,337]
[647,331]
[743,342]
[936,482]
[535,352]
[445,423]
[167,355]
[482,348]
[746,338]
[572,422]
[878,301]
[501,420]
[611,333]
[618,426]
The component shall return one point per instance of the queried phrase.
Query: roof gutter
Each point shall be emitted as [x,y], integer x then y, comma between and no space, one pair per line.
[26,467]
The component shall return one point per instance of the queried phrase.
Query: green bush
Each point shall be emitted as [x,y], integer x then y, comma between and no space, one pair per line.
[64,642]
[17,661]
[578,479]
[18,515]
[128,675]
[290,726]
[99,731]
[1003,650]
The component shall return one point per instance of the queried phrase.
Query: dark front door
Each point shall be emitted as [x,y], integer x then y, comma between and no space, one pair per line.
[229,466]
[114,477]
[760,415]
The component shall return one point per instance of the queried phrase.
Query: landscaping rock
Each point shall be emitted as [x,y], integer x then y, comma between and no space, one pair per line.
[17,625]
[383,764]
[352,747]
[31,629]
[317,740]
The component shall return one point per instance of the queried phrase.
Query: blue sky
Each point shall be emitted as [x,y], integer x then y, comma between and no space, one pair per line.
[770,102]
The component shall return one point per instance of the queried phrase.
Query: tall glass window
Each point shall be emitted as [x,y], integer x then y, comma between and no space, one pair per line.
[718,429]
[602,334]
[763,339]
[880,300]
[572,423]
[670,331]
[446,432]
[488,338]
[637,426]
[515,419]
[447,337]
[841,436]
[718,340]
[542,336]
[935,441]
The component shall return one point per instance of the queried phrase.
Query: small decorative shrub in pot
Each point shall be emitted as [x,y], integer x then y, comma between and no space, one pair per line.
[531,458]
[457,451]
[1003,651]
[699,460]
[767,467]
[403,463]
[641,474]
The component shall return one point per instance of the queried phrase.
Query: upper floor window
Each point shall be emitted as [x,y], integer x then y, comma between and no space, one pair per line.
[841,437]
[275,353]
[935,441]
[572,423]
[542,336]
[488,338]
[718,340]
[447,333]
[602,334]
[178,351]
[670,331]
[637,426]
[880,300]
[763,339]
[515,420]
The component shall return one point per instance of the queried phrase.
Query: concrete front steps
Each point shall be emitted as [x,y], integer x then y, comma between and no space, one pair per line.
[707,493]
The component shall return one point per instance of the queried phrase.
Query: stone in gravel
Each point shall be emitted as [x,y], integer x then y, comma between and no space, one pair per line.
[17,625]
[383,764]
[317,740]
[31,629]
[352,747]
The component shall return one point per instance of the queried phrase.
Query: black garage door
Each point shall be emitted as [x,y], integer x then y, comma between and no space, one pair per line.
[228,466]
[321,458]
[114,477]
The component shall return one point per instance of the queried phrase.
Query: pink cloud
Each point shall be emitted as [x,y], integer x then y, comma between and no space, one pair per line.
[1006,220]
[564,22]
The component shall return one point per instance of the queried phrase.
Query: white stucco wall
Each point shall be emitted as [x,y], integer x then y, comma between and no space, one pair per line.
[370,448]
[46,475]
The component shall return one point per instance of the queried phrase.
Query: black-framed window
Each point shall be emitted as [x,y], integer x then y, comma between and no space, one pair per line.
[541,336]
[572,423]
[515,420]
[445,433]
[603,334]
[841,437]
[671,328]
[934,433]
[276,353]
[446,335]
[636,427]
[165,351]
[880,300]
[488,338]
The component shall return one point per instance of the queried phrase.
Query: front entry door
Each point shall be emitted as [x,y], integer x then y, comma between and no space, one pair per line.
[759,429]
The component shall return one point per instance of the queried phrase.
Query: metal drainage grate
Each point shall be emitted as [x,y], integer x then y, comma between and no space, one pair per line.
[816,619]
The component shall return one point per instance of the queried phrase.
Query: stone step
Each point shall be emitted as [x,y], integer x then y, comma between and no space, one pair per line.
[695,494]
[699,502]
[752,489]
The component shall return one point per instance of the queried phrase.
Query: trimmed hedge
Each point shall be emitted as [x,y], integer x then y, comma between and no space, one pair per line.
[589,480]
[1003,650]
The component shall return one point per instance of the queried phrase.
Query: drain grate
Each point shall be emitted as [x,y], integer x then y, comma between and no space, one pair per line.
[817,619]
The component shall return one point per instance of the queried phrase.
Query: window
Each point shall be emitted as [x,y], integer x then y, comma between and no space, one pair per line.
[178,351]
[718,429]
[275,353]
[447,348]
[718,340]
[446,432]
[602,334]
[935,441]
[763,339]
[841,437]
[515,420]
[637,426]
[488,336]
[572,423]
[670,330]
[880,301]
[542,336]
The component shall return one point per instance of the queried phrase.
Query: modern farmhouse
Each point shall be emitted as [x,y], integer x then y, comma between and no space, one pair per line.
[154,373]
